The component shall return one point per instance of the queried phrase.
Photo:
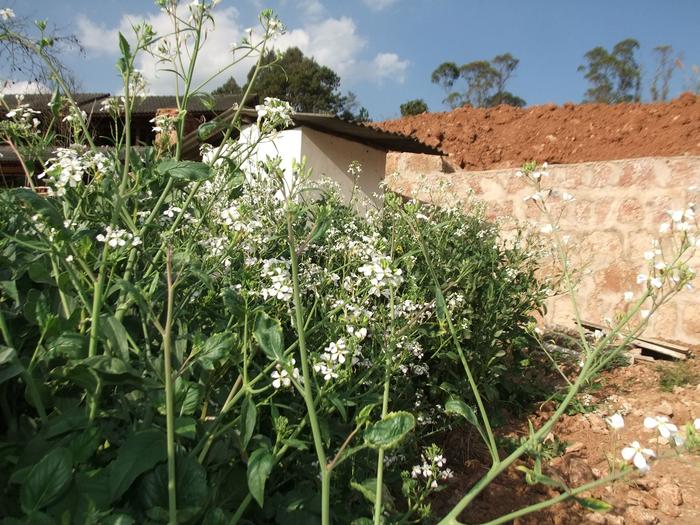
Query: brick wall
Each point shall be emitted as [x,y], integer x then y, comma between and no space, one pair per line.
[616,213]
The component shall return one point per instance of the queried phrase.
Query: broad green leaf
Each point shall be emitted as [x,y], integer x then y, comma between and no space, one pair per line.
[47,480]
[185,170]
[268,334]
[40,272]
[206,130]
[186,427]
[118,519]
[390,430]
[10,371]
[115,335]
[246,422]
[7,355]
[68,344]
[260,465]
[187,397]
[213,349]
[459,407]
[594,504]
[9,288]
[368,488]
[192,491]
[140,453]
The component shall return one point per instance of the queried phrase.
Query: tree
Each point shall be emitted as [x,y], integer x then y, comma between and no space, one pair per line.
[308,86]
[25,59]
[614,76]
[665,64]
[414,107]
[485,82]
[230,87]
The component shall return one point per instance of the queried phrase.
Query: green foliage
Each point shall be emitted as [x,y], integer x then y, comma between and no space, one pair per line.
[485,82]
[308,86]
[676,374]
[414,107]
[614,76]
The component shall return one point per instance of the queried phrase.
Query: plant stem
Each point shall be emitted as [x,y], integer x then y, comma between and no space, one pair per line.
[169,401]
[307,393]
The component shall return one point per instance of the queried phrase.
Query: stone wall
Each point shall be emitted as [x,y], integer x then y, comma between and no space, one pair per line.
[616,213]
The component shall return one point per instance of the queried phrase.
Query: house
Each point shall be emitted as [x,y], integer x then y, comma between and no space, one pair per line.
[329,144]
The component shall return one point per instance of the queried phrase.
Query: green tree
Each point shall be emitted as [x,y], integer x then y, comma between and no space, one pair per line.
[614,76]
[485,82]
[414,107]
[308,86]
[665,64]
[230,87]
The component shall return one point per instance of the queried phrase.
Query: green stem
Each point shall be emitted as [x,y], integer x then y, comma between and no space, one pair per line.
[308,394]
[169,398]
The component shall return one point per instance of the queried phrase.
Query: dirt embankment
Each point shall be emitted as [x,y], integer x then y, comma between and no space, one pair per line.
[505,136]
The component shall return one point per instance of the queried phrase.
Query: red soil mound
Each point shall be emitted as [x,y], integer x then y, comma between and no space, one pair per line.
[505,137]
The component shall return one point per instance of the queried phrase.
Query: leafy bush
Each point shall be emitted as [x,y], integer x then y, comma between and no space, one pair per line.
[196,341]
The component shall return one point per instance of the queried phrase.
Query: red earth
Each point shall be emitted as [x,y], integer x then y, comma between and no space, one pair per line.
[506,137]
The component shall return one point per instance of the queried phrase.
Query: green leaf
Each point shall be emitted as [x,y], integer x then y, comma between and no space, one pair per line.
[184,170]
[7,355]
[246,422]
[186,427]
[124,46]
[459,407]
[192,491]
[213,349]
[260,465]
[68,344]
[10,289]
[440,304]
[268,334]
[47,480]
[8,372]
[596,505]
[368,488]
[118,519]
[206,130]
[187,397]
[115,335]
[140,453]
[390,430]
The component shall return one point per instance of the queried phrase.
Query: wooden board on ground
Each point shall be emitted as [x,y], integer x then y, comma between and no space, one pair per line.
[650,346]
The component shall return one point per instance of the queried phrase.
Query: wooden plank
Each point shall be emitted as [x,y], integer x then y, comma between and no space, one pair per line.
[655,342]
[659,350]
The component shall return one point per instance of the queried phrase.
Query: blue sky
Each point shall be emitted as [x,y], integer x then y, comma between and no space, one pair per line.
[385,50]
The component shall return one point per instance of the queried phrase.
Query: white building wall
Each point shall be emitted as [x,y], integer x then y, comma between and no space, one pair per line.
[326,155]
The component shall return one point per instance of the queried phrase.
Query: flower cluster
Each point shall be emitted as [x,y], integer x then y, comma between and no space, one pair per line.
[333,356]
[274,114]
[381,276]
[433,467]
[280,281]
[282,375]
[115,237]
[69,168]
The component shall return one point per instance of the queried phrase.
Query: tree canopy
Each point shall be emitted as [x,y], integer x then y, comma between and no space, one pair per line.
[614,76]
[414,107]
[308,86]
[485,82]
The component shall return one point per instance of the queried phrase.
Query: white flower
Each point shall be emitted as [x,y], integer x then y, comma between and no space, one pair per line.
[656,282]
[567,197]
[440,460]
[637,454]
[628,297]
[661,423]
[645,314]
[648,255]
[665,227]
[696,424]
[518,173]
[642,278]
[547,229]
[676,215]
[616,421]
[7,13]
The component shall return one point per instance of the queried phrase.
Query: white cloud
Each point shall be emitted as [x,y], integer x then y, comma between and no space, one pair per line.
[23,87]
[333,42]
[312,9]
[379,5]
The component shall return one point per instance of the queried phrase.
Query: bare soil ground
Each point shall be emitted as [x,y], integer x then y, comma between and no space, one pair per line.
[506,137]
[668,494]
